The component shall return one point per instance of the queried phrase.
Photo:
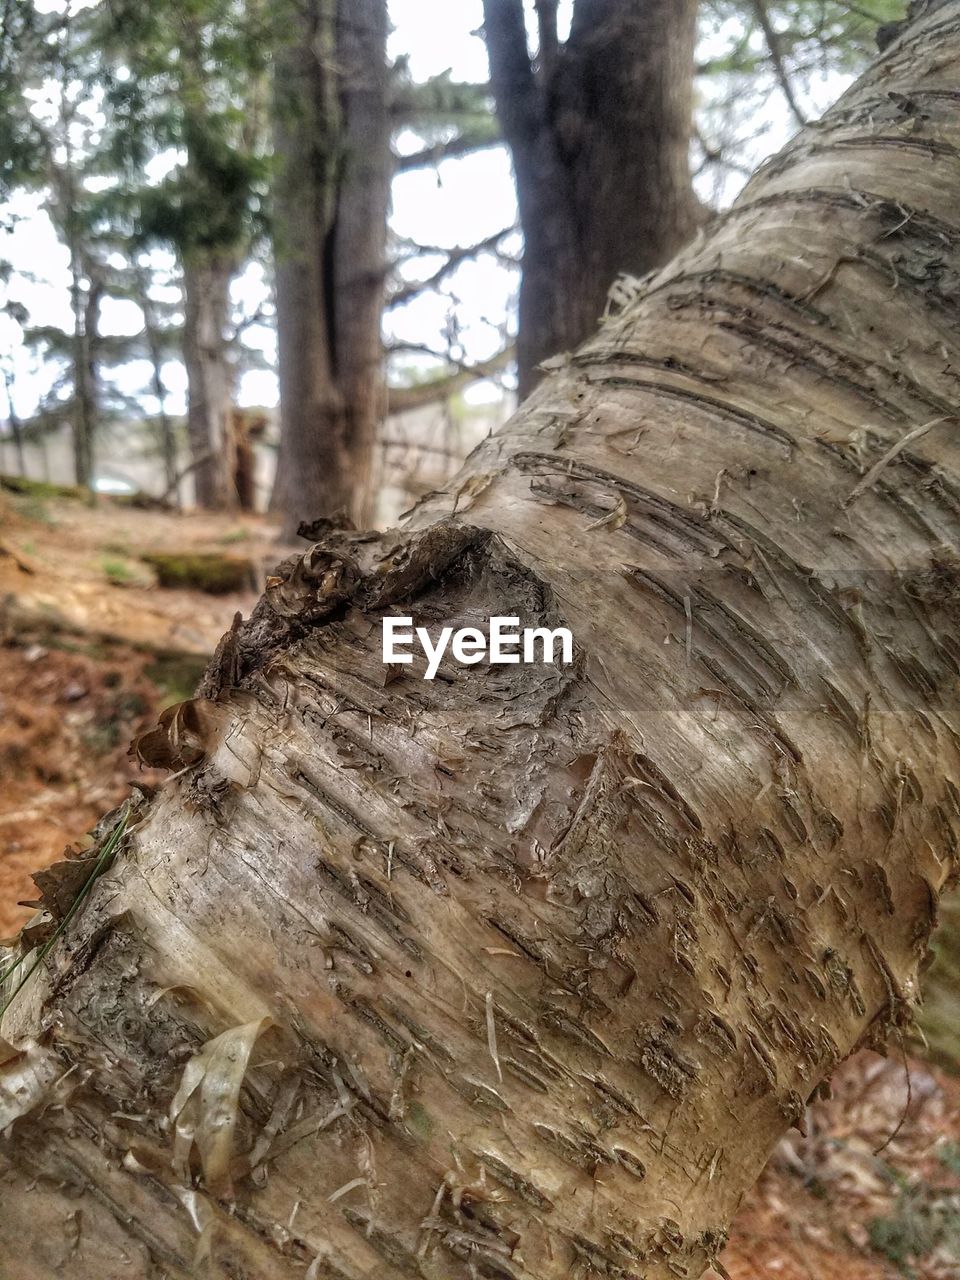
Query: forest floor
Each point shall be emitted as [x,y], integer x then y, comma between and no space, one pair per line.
[91,649]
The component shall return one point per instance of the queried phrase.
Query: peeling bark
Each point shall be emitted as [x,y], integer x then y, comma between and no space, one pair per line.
[551,957]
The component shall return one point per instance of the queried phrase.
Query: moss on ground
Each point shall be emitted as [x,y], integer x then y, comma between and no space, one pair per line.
[922,1227]
[176,675]
[40,489]
[202,571]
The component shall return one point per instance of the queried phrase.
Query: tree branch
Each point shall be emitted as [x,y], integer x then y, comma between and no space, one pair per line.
[440,100]
[455,257]
[511,73]
[464,144]
[400,399]
[776,57]
[194,464]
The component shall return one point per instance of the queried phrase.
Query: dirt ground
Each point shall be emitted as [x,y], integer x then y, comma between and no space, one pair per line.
[66,720]
[872,1192]
[67,565]
[91,649]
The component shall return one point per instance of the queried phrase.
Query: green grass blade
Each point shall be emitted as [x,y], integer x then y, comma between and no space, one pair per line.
[103,859]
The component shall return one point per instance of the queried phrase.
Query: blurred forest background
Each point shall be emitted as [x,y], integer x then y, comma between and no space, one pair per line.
[274,261]
[185,182]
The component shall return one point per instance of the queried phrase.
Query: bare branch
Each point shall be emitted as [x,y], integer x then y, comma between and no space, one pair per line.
[447,385]
[262,316]
[713,153]
[454,257]
[776,57]
[464,144]
[182,474]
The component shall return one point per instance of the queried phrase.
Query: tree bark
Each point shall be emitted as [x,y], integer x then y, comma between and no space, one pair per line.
[206,295]
[331,200]
[526,969]
[85,304]
[599,133]
[152,337]
[66,190]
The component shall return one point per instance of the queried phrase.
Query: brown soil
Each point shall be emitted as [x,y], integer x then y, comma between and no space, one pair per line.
[69,565]
[871,1193]
[66,720]
[91,648]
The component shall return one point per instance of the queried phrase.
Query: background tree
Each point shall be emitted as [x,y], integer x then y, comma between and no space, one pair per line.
[53,148]
[525,971]
[189,80]
[599,129]
[332,192]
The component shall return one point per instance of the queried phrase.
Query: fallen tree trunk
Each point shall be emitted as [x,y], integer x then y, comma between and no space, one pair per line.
[522,971]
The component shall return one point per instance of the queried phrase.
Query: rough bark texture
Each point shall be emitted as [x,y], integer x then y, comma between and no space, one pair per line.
[206,295]
[333,143]
[553,955]
[599,133]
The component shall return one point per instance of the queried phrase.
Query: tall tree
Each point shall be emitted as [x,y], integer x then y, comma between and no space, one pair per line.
[599,130]
[52,150]
[524,970]
[86,295]
[331,197]
[156,352]
[188,80]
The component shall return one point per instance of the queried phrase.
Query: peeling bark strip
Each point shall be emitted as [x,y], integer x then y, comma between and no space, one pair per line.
[553,955]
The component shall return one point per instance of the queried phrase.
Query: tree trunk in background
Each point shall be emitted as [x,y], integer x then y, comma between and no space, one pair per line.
[525,970]
[331,200]
[151,330]
[599,133]
[85,303]
[206,293]
[86,291]
[13,418]
[358,263]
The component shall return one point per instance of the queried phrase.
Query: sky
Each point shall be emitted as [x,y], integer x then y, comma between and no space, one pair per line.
[458,202]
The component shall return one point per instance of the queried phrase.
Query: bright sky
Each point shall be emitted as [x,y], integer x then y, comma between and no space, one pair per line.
[459,202]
